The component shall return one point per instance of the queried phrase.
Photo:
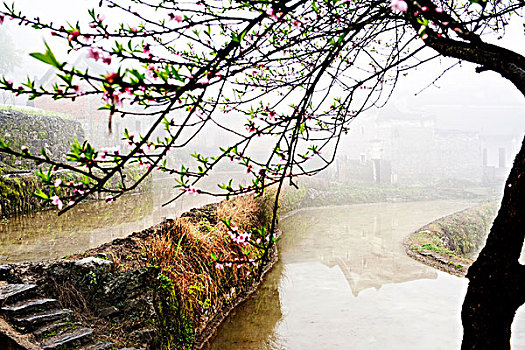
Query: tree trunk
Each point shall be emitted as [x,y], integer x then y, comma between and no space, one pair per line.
[496,279]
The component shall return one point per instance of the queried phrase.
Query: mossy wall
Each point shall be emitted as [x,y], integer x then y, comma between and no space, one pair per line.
[36,132]
[16,195]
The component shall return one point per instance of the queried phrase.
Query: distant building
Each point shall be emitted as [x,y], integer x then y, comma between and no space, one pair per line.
[413,147]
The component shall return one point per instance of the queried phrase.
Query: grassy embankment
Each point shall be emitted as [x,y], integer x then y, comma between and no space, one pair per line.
[453,242]
[185,292]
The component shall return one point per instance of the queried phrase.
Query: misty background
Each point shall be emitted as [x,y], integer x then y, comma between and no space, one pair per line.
[464,128]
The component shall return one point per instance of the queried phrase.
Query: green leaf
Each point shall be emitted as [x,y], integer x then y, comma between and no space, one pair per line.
[47,57]
[482,3]
[38,193]
[235,38]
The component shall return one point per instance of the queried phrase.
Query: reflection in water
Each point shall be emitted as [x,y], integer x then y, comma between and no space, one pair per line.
[44,235]
[362,241]
[259,315]
[344,282]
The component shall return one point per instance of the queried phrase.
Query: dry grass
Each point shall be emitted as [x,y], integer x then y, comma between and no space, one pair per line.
[69,296]
[183,253]
[244,212]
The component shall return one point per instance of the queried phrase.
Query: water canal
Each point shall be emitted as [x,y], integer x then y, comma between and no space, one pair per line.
[344,282]
[44,235]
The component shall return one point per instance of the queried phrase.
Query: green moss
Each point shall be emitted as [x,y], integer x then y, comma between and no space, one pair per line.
[457,237]
[175,329]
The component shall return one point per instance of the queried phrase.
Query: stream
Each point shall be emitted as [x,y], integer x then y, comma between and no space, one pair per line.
[344,282]
[44,235]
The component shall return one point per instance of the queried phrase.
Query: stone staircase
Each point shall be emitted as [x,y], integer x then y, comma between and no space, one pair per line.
[49,325]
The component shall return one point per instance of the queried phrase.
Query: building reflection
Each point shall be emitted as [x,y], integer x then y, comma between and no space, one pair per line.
[366,248]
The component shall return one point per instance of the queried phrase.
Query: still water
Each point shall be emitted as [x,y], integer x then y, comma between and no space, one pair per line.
[44,235]
[344,282]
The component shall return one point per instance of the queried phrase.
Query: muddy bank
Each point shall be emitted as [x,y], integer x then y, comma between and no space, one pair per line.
[452,243]
[165,287]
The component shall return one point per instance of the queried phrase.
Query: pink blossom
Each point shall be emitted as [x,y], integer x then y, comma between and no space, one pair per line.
[24,149]
[271,13]
[58,182]
[152,71]
[192,191]
[113,98]
[439,10]
[73,35]
[78,90]
[106,59]
[176,18]
[93,53]
[109,199]
[399,6]
[219,266]
[55,200]
[112,78]
[71,203]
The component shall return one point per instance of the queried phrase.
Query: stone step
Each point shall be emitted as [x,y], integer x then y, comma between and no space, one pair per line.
[68,338]
[97,346]
[15,292]
[26,306]
[50,328]
[4,272]
[32,321]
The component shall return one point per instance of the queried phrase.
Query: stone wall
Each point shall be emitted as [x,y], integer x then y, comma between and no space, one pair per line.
[17,183]
[36,132]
